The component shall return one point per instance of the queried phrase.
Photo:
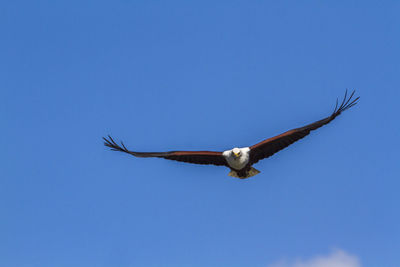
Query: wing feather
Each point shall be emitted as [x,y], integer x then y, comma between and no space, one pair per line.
[270,146]
[197,157]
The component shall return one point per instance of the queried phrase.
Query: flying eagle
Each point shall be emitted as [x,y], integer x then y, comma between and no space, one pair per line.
[240,160]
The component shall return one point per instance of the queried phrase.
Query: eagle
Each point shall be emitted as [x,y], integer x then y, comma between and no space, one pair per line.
[240,160]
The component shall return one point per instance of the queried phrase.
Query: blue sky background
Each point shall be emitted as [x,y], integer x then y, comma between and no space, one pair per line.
[207,75]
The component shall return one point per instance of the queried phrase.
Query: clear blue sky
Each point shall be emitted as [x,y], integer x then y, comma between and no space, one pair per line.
[207,75]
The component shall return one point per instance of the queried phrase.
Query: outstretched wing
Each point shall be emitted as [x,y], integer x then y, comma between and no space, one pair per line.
[272,145]
[198,157]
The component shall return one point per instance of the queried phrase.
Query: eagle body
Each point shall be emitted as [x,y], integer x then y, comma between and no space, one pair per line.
[240,160]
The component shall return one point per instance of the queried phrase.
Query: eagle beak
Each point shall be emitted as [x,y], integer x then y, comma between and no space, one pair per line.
[235,155]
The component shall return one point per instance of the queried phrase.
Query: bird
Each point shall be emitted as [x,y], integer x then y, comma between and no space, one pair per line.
[240,160]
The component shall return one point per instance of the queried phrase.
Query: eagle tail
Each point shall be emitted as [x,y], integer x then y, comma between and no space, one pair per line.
[249,173]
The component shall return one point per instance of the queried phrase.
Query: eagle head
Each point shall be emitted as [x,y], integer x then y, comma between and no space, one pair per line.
[236,153]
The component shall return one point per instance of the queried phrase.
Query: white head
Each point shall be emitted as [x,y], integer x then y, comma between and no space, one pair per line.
[237,158]
[236,153]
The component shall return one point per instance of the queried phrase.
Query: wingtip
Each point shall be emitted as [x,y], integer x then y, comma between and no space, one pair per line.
[110,142]
[346,103]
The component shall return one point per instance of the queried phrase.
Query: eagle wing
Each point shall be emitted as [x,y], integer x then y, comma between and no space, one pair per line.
[270,146]
[197,157]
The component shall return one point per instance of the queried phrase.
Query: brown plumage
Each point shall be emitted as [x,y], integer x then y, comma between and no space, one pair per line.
[270,146]
[198,157]
[240,163]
